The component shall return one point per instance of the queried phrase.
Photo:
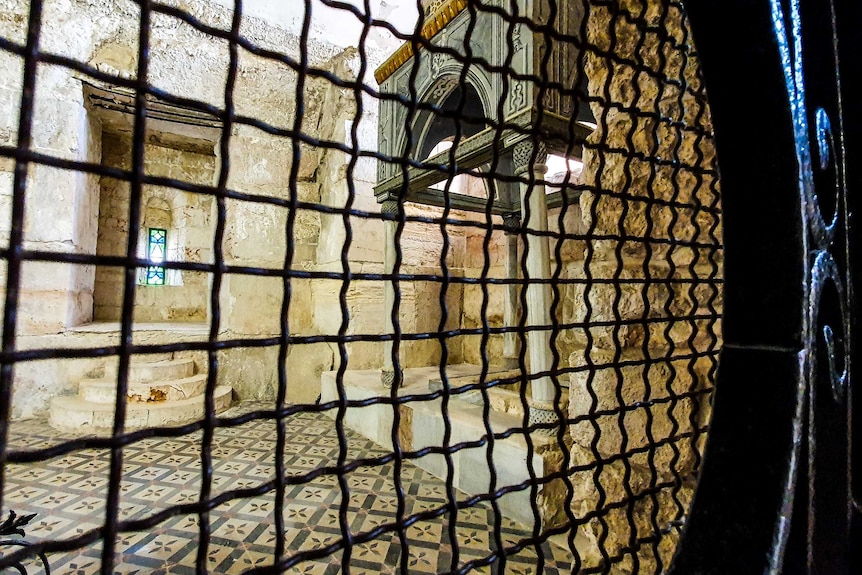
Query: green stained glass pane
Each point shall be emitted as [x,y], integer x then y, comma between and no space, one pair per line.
[156,244]
[155,276]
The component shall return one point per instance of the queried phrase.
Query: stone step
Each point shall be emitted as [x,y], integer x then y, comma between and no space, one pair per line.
[154,371]
[151,357]
[436,384]
[112,361]
[105,390]
[72,413]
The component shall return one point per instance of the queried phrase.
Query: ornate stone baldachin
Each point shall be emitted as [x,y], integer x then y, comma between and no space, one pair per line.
[434,23]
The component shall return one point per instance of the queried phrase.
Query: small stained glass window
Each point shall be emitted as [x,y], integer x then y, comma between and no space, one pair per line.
[156,246]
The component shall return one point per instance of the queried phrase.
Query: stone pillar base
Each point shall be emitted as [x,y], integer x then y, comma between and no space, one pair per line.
[543,413]
[387,378]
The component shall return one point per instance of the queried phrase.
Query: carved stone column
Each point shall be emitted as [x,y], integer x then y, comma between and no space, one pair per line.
[387,374]
[529,162]
[512,310]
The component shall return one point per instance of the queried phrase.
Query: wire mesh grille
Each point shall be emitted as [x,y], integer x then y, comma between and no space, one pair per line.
[491,272]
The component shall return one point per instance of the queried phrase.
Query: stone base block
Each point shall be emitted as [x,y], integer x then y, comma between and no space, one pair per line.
[105,391]
[422,425]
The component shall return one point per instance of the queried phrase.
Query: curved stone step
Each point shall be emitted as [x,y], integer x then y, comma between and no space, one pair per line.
[155,371]
[112,361]
[105,390]
[152,357]
[72,413]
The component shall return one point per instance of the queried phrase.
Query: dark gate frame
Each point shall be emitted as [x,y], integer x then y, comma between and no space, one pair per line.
[777,494]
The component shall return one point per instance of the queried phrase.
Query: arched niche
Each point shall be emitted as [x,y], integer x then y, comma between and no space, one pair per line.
[157,214]
[455,104]
[437,130]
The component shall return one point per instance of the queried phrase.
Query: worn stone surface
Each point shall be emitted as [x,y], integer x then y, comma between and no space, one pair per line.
[305,363]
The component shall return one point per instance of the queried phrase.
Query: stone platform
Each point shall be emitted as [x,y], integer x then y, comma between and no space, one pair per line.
[422,426]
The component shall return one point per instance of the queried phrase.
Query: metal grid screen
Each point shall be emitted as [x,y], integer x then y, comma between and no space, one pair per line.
[585,303]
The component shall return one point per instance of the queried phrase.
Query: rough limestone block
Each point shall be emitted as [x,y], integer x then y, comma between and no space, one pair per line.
[305,364]
[637,396]
[254,314]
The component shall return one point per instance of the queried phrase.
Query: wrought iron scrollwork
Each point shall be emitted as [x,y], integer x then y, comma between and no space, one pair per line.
[781,438]
[822,516]
[14,525]
[825,271]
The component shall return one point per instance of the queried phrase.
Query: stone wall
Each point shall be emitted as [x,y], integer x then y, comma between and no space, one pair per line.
[63,206]
[652,331]
[567,254]
[473,259]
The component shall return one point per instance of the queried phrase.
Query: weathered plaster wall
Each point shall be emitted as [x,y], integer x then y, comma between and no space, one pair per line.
[55,296]
[650,323]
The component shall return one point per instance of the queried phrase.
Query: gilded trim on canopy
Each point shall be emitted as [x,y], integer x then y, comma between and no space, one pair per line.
[432,26]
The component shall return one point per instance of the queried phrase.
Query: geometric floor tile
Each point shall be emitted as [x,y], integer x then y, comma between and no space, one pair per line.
[164,476]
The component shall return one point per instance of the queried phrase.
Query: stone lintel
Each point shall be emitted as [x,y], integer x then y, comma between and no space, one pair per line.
[437,198]
[168,125]
[471,153]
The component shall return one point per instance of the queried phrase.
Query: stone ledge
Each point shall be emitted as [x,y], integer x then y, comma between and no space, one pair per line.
[195,328]
[154,371]
[105,390]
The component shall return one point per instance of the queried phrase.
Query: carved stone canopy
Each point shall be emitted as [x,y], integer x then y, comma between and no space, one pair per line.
[460,98]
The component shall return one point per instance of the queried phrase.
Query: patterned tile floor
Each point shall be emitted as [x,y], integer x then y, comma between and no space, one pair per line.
[68,495]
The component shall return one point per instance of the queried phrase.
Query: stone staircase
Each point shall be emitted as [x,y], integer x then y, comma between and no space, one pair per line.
[162,392]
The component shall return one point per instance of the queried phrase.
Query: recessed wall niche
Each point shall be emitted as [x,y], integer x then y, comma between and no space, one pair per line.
[176,150]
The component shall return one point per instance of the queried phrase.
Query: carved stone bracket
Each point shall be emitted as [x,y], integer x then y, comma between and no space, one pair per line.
[512,220]
[389,207]
[527,154]
[387,378]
